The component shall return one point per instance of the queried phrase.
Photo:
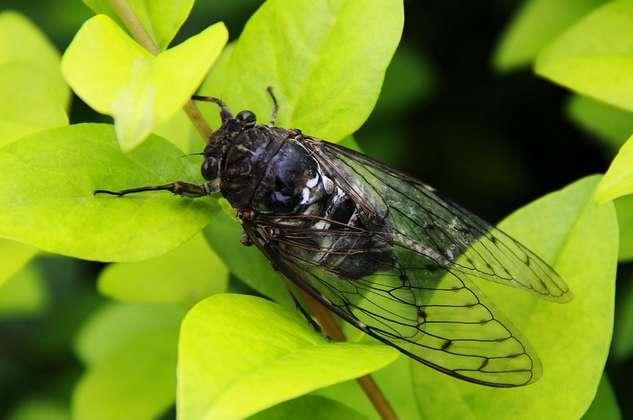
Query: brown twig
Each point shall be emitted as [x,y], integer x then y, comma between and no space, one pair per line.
[140,34]
[331,328]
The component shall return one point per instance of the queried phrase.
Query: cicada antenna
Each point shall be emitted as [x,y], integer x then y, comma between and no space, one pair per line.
[273,118]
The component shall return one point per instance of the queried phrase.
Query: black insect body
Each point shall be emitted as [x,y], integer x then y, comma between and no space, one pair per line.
[382,250]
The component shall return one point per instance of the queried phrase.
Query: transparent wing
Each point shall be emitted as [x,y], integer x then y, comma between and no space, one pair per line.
[432,314]
[443,231]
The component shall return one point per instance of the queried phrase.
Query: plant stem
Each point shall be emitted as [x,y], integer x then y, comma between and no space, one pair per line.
[331,328]
[140,34]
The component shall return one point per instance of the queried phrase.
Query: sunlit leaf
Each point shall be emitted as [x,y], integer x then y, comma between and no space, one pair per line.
[112,328]
[232,344]
[618,181]
[610,124]
[160,18]
[135,378]
[26,107]
[24,294]
[309,406]
[184,275]
[580,239]
[326,65]
[118,77]
[604,405]
[46,195]
[34,95]
[536,24]
[594,57]
[22,42]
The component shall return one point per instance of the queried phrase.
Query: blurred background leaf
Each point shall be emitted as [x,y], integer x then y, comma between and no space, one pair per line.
[536,24]
[34,95]
[185,275]
[131,356]
[23,294]
[593,57]
[611,126]
[623,333]
[604,405]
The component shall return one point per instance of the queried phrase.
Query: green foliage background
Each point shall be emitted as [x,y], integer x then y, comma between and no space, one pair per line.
[149,307]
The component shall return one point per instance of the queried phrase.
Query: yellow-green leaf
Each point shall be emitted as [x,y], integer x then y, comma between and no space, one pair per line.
[618,181]
[116,76]
[240,354]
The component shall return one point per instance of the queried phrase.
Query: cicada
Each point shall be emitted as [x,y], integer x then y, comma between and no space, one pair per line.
[380,249]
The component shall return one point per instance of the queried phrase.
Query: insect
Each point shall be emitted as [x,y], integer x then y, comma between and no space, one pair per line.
[380,249]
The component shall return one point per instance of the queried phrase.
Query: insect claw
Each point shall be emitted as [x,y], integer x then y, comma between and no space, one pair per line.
[117,193]
[245,239]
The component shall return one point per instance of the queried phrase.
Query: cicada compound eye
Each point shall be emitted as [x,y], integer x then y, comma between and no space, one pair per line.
[246,118]
[209,168]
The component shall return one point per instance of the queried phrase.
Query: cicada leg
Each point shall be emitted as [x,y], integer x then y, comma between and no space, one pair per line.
[185,189]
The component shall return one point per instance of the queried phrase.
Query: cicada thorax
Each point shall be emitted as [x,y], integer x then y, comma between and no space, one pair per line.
[269,172]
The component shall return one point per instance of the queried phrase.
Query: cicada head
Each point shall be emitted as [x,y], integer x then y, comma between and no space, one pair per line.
[222,139]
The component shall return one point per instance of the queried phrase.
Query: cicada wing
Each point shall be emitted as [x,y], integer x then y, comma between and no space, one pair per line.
[432,314]
[450,235]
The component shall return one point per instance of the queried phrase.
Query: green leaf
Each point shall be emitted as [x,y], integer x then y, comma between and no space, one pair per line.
[623,332]
[34,95]
[14,256]
[135,377]
[534,26]
[594,57]
[46,195]
[26,106]
[24,294]
[116,76]
[40,409]
[326,65]
[420,75]
[624,208]
[580,239]
[247,263]
[604,405]
[113,327]
[185,275]
[161,18]
[609,124]
[232,344]
[22,42]
[309,407]
[618,181]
